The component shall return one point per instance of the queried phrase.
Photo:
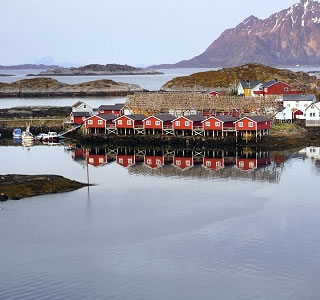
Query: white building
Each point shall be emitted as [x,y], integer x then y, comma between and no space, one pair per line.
[298,104]
[311,152]
[82,107]
[313,115]
[247,88]
[284,114]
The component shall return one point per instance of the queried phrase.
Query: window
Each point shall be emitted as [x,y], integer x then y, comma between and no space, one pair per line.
[188,163]
[251,124]
[158,162]
[120,160]
[129,122]
[286,89]
[130,161]
[101,160]
[149,161]
[177,123]
[312,114]
[187,123]
[241,164]
[84,106]
[217,124]
[100,122]
[240,124]
[90,122]
[148,123]
[178,162]
[91,160]
[119,122]
[251,165]
[218,164]
[83,118]
[208,124]
[288,105]
[157,123]
[208,163]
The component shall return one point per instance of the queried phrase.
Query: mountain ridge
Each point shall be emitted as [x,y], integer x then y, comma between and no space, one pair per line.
[287,38]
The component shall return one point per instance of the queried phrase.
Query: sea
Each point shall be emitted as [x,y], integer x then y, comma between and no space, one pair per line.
[236,223]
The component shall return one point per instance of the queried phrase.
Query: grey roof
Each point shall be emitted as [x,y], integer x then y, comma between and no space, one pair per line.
[252,84]
[258,119]
[107,117]
[82,114]
[309,97]
[117,106]
[281,109]
[225,119]
[195,118]
[165,117]
[272,82]
[137,117]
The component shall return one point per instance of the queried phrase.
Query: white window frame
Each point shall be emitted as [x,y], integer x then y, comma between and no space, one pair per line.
[149,161]
[218,124]
[286,89]
[178,162]
[119,122]
[251,165]
[208,163]
[129,123]
[100,122]
[188,163]
[158,162]
[186,123]
[120,160]
[251,124]
[240,124]
[158,123]
[130,161]
[241,164]
[177,123]
[148,123]
[101,160]
[208,124]
[90,122]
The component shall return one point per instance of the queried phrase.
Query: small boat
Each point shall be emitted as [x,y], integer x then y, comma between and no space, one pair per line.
[50,137]
[17,133]
[40,136]
[27,135]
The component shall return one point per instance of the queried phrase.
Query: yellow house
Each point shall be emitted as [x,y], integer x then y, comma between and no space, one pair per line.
[247,88]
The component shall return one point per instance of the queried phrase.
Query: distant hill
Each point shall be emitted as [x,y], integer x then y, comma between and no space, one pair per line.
[227,78]
[287,38]
[29,67]
[96,69]
[48,87]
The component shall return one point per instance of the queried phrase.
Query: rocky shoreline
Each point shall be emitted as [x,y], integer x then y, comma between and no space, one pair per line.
[16,187]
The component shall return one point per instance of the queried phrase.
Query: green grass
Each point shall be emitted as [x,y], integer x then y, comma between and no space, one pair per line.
[285,127]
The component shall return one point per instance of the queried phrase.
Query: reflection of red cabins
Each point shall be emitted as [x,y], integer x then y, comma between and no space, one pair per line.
[183,163]
[99,123]
[158,122]
[97,160]
[253,123]
[126,160]
[279,159]
[154,162]
[213,163]
[248,164]
[188,123]
[79,117]
[77,154]
[116,109]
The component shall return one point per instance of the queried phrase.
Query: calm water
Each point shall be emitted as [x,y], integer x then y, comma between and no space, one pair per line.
[164,225]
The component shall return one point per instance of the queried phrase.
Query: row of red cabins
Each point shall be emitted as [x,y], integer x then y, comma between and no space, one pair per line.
[185,125]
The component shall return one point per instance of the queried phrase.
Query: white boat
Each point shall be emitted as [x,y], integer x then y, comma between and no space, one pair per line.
[50,137]
[40,136]
[27,135]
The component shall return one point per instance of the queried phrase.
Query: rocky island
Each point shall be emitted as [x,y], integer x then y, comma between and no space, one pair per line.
[48,87]
[98,70]
[16,187]
[227,78]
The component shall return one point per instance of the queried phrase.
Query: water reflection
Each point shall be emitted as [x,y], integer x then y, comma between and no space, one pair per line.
[241,163]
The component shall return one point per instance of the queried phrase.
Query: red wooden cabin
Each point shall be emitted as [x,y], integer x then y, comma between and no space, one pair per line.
[158,121]
[129,121]
[188,123]
[276,87]
[78,118]
[219,123]
[116,109]
[253,123]
[99,123]
[214,93]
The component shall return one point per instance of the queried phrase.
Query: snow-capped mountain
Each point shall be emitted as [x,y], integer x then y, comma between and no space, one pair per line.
[289,37]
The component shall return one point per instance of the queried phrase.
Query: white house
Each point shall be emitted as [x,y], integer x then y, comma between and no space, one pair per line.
[284,114]
[247,88]
[313,115]
[311,152]
[82,107]
[298,104]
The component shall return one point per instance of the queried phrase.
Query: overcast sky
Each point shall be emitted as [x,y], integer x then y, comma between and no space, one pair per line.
[119,31]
